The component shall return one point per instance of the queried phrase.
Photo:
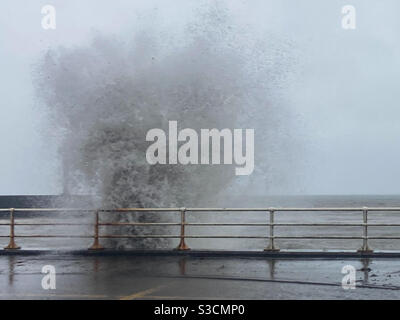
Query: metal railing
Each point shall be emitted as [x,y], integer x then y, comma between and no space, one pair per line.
[270,223]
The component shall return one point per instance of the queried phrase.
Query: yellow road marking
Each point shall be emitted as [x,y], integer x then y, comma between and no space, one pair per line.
[142,294]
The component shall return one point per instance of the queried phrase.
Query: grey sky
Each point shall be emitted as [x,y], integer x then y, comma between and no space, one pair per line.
[345,92]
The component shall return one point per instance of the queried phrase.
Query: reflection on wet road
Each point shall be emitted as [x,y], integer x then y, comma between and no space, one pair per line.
[152,277]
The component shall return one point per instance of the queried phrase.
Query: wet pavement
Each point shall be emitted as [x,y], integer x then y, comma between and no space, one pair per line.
[186,277]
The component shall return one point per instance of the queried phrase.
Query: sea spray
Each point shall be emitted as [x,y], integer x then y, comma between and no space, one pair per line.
[102,99]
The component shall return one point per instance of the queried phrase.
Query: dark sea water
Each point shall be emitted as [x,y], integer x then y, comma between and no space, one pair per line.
[318,201]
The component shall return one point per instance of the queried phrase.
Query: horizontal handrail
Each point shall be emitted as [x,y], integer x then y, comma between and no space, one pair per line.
[271,211]
[276,209]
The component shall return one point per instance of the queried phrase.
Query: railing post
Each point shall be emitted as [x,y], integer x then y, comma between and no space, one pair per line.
[365,247]
[96,245]
[12,244]
[182,245]
[271,246]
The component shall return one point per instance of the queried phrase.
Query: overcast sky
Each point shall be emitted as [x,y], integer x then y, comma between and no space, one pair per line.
[346,96]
